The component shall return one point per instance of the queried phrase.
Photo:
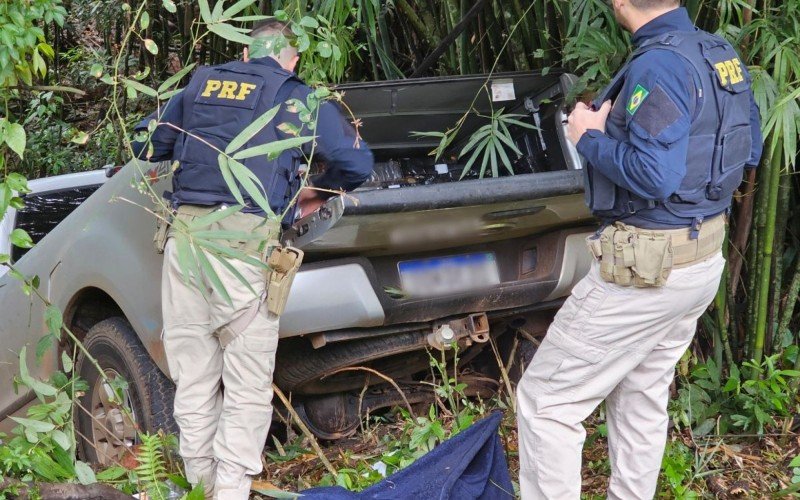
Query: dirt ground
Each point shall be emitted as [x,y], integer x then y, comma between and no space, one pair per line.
[725,467]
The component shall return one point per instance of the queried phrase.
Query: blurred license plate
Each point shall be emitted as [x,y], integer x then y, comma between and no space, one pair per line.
[445,275]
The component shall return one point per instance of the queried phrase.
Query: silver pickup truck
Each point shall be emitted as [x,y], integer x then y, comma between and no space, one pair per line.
[420,258]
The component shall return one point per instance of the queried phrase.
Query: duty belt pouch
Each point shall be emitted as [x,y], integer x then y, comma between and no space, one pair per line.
[632,258]
[283,263]
[653,259]
[163,223]
[616,257]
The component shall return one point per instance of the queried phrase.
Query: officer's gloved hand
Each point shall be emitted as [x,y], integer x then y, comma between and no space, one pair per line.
[583,118]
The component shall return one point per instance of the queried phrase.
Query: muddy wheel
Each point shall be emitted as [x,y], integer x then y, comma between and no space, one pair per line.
[305,370]
[106,423]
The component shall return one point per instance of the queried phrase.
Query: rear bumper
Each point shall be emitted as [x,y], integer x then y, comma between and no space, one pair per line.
[349,293]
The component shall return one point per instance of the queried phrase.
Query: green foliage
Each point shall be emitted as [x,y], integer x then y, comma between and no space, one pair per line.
[151,469]
[708,402]
[23,48]
[490,143]
[596,44]
[677,470]
[452,412]
[43,446]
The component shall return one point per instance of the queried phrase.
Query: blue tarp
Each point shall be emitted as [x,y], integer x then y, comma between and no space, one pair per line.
[471,465]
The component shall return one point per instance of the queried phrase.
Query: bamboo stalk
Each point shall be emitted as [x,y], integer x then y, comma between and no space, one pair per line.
[777,259]
[422,30]
[744,221]
[791,302]
[767,251]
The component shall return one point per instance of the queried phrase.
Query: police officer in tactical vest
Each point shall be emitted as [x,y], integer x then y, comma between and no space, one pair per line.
[666,144]
[212,343]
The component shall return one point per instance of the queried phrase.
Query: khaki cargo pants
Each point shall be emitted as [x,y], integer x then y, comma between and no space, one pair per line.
[222,432]
[612,343]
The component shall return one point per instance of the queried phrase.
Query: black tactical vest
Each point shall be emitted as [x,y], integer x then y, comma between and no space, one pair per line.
[218,103]
[720,138]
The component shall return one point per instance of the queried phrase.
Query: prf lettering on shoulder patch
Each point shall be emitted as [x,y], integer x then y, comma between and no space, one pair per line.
[729,72]
[637,98]
[230,89]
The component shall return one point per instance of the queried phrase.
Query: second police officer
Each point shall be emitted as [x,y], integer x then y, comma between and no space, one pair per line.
[666,145]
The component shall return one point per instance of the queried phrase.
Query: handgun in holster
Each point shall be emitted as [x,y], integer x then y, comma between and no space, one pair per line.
[283,262]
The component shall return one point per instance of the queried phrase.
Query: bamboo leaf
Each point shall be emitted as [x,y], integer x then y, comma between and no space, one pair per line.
[477,136]
[272,149]
[185,258]
[485,160]
[470,162]
[236,8]
[251,130]
[205,12]
[252,185]
[230,181]
[216,14]
[214,234]
[144,89]
[177,77]
[504,157]
[493,158]
[230,33]
[235,272]
[248,19]
[212,276]
[227,251]
[215,216]
[505,135]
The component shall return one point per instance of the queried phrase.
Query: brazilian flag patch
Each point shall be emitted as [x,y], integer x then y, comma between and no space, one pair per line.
[637,98]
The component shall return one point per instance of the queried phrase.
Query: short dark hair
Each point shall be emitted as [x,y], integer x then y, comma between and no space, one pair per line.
[269,27]
[654,4]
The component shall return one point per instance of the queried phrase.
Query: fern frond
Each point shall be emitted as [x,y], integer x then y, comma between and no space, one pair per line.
[151,469]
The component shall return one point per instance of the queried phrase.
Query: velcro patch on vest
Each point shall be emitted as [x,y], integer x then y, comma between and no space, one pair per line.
[230,89]
[657,113]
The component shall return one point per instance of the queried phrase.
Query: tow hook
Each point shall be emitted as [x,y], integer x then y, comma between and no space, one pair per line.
[473,328]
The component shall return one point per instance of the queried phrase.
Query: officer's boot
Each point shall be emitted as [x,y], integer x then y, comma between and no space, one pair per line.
[201,470]
[231,483]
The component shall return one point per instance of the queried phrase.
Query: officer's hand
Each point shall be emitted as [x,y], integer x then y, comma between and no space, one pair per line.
[583,118]
[308,201]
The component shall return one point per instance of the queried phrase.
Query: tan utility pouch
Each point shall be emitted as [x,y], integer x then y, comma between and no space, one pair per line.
[283,263]
[629,257]
[163,222]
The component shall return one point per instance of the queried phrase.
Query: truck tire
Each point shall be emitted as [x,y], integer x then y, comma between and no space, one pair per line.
[106,435]
[304,370]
